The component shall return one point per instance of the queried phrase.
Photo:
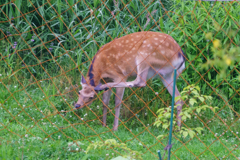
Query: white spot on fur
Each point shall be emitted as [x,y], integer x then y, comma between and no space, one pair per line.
[167,44]
[163,52]
[127,41]
[156,39]
[154,53]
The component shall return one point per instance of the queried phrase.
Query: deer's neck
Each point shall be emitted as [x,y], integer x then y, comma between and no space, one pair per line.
[94,73]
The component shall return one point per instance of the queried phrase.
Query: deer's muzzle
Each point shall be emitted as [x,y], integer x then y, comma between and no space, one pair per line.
[77,105]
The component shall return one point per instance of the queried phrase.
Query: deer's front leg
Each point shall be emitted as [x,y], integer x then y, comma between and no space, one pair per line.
[118,101]
[106,99]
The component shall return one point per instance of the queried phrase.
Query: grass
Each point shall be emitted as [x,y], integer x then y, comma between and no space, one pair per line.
[30,147]
[56,146]
[42,131]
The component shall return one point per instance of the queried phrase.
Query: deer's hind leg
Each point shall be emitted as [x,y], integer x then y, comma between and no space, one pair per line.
[168,83]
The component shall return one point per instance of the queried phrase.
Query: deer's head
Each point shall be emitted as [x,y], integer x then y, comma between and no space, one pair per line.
[87,94]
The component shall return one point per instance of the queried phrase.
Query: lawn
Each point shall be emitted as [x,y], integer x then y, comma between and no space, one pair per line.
[39,131]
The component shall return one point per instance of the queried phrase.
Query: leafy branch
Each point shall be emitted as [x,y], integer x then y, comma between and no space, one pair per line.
[224,55]
[191,95]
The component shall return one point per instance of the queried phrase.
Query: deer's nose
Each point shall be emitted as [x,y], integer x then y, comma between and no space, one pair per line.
[77,105]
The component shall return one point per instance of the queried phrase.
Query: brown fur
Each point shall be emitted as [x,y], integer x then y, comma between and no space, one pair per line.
[119,55]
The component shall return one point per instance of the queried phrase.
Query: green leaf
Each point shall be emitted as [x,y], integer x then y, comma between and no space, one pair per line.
[168,115]
[177,98]
[165,126]
[192,101]
[191,133]
[185,134]
[160,136]
[198,88]
[201,99]
[184,118]
[184,97]
[195,92]
[198,129]
[157,123]
[188,115]
[198,110]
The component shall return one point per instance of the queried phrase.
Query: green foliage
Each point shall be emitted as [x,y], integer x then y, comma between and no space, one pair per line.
[96,147]
[190,95]
[224,56]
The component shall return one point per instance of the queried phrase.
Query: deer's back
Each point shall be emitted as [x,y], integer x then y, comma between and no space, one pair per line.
[121,56]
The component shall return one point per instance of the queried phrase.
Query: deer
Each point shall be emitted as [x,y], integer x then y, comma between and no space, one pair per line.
[141,55]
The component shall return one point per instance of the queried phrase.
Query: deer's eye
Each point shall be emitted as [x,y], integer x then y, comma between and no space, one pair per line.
[91,98]
[79,92]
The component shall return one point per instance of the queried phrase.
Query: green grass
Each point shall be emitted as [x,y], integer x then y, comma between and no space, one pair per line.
[38,131]
[56,146]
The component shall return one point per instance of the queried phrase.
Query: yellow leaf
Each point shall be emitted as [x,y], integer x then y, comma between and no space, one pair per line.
[228,61]
[216,43]
[208,36]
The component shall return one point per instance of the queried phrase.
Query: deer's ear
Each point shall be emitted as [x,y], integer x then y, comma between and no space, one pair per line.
[83,80]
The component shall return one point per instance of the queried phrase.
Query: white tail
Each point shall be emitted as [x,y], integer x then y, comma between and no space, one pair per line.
[140,54]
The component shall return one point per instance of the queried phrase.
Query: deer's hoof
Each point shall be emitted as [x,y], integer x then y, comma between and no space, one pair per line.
[130,85]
